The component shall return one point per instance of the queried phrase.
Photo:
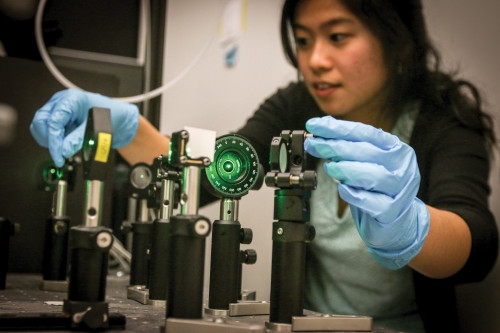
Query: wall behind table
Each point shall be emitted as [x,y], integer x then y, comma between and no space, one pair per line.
[467,33]
[215,97]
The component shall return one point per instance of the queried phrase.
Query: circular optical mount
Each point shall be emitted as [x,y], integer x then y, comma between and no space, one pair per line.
[235,168]
[141,176]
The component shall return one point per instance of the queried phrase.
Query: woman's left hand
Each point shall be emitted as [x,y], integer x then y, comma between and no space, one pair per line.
[379,178]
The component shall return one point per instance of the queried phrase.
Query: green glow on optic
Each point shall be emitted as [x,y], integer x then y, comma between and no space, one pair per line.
[91,142]
[170,152]
[235,165]
[228,166]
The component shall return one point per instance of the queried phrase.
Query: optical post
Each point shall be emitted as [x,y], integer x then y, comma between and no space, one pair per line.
[6,230]
[160,251]
[188,232]
[90,243]
[140,178]
[55,254]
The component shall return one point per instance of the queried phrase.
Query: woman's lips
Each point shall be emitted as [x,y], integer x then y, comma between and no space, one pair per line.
[325,89]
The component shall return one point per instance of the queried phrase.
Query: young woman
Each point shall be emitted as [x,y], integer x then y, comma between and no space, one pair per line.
[401,143]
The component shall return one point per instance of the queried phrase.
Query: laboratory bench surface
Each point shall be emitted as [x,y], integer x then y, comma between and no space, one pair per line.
[23,298]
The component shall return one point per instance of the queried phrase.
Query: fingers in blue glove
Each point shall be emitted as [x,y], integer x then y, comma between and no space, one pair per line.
[38,127]
[369,176]
[340,150]
[60,123]
[73,142]
[363,165]
[331,128]
[50,124]
[381,207]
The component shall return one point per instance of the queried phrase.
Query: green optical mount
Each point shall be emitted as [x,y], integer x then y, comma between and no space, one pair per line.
[235,169]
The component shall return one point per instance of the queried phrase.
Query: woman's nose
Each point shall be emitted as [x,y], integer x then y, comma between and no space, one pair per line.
[321,58]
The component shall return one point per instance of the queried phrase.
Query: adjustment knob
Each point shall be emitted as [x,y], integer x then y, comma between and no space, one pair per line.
[248,257]
[246,235]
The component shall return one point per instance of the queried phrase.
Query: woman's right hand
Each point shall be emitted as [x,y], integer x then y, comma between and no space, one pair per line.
[60,124]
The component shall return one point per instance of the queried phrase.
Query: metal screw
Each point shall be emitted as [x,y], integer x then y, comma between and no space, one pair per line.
[279,231]
[60,227]
[184,198]
[201,227]
[104,239]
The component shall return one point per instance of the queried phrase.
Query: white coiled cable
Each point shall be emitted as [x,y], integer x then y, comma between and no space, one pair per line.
[131,99]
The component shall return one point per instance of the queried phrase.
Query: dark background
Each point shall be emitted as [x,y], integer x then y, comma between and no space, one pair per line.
[109,27]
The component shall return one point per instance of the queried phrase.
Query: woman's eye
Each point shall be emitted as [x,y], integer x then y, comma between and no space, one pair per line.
[337,37]
[302,41]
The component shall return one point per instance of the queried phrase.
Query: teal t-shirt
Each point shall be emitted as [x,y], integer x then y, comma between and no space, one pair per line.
[341,276]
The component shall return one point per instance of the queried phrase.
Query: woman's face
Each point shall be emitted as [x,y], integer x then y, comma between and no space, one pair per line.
[341,61]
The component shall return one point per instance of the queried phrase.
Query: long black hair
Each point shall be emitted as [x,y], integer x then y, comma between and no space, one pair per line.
[412,61]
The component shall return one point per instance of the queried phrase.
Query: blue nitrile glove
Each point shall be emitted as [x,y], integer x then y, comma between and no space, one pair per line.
[60,123]
[378,176]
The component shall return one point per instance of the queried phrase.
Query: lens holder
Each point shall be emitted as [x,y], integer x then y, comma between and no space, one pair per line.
[235,169]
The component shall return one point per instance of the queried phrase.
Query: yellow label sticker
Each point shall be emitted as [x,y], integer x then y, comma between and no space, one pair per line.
[103,147]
